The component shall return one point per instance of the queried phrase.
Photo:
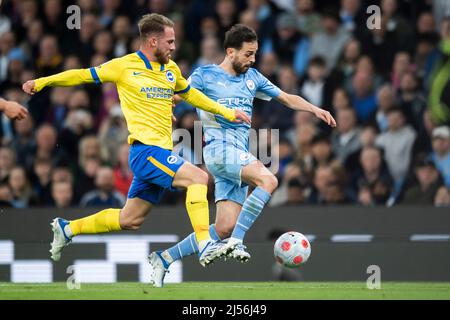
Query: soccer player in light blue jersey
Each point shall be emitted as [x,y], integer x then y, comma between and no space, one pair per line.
[234,84]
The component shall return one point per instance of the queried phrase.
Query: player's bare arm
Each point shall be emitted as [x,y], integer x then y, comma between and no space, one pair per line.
[298,103]
[13,110]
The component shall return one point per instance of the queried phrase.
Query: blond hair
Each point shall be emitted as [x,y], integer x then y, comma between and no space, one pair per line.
[153,23]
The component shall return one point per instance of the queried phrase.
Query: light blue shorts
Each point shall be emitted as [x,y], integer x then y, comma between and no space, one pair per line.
[225,162]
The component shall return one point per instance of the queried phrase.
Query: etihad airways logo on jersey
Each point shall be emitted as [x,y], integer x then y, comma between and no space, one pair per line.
[157,93]
[234,101]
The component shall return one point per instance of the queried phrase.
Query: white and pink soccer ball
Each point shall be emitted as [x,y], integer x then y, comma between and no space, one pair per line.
[292,249]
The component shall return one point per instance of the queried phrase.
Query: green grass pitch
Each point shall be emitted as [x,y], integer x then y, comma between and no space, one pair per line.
[229,291]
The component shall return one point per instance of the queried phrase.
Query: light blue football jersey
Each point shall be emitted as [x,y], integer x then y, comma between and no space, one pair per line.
[236,92]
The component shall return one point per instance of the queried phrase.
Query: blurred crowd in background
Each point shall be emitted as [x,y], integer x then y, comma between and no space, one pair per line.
[387,87]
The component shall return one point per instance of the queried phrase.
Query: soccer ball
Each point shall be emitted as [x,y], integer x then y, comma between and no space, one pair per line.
[292,249]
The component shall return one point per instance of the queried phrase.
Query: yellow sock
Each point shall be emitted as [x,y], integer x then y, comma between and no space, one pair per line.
[104,221]
[198,210]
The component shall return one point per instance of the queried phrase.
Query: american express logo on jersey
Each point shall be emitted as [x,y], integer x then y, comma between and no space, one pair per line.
[157,92]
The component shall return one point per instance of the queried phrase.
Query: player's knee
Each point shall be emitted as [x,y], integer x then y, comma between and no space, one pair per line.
[268,183]
[199,177]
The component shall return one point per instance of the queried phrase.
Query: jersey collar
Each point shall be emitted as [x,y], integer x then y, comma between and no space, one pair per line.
[148,65]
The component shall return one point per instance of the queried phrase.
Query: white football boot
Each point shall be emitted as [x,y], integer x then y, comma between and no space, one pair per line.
[159,270]
[212,251]
[239,253]
[60,238]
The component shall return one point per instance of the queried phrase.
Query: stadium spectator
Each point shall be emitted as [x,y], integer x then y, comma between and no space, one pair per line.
[7,43]
[341,100]
[210,52]
[6,196]
[352,17]
[321,151]
[16,67]
[308,20]
[373,182]
[347,62]
[249,18]
[62,194]
[23,143]
[442,197]
[441,152]
[438,78]
[109,12]
[46,138]
[103,45]
[425,23]
[84,47]
[345,138]
[397,24]
[385,101]
[302,138]
[57,111]
[41,181]
[363,96]
[283,118]
[280,196]
[290,45]
[402,64]
[113,133]
[397,144]
[185,50]
[61,173]
[323,177]
[104,194]
[21,189]
[78,124]
[330,42]
[411,100]
[427,182]
[335,195]
[89,161]
[367,136]
[7,161]
[50,59]
[295,193]
[380,44]
[226,15]
[122,172]
[266,12]
[313,86]
[122,35]
[35,33]
[365,64]
[268,66]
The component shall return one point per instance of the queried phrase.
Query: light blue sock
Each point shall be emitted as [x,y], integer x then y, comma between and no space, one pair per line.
[185,247]
[251,209]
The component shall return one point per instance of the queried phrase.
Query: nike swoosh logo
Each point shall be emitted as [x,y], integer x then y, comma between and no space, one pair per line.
[136,73]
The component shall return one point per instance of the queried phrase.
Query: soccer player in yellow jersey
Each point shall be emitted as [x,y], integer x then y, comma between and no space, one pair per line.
[146,81]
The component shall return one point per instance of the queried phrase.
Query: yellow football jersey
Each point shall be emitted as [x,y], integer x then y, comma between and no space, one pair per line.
[146,89]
